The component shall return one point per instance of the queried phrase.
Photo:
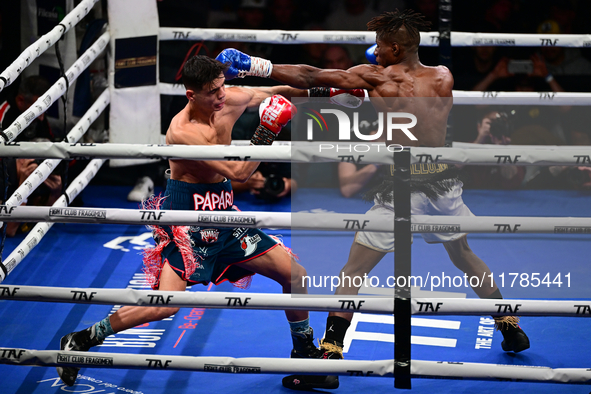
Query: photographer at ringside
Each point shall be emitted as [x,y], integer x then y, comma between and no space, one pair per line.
[271,181]
[494,127]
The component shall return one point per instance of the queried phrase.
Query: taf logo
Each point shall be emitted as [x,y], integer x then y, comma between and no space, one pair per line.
[345,124]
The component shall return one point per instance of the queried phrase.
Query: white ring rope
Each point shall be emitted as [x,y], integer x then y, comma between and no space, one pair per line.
[47,166]
[299,221]
[458,39]
[40,230]
[269,301]
[498,372]
[462,97]
[57,89]
[42,172]
[199,299]
[316,152]
[257,365]
[45,42]
[49,358]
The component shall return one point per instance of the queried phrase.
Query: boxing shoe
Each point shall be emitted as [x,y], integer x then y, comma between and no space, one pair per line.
[303,345]
[242,64]
[514,338]
[327,351]
[77,341]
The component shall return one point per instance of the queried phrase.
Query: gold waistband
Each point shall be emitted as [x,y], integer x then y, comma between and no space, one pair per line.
[424,169]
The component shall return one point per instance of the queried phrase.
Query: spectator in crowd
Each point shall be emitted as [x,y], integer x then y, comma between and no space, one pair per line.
[30,89]
[351,15]
[497,79]
[565,177]
[354,178]
[251,14]
[337,57]
[429,8]
[283,14]
[314,52]
[560,60]
[494,127]
[501,17]
[479,69]
[18,170]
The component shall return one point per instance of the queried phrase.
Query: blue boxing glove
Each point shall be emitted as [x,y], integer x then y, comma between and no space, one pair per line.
[369,54]
[242,64]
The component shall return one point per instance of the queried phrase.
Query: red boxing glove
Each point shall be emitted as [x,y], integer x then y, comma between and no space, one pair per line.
[350,98]
[275,114]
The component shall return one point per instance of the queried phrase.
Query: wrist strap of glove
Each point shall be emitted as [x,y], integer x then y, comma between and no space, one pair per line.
[263,136]
[319,92]
[258,68]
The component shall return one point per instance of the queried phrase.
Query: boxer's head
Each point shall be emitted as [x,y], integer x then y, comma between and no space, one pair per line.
[397,34]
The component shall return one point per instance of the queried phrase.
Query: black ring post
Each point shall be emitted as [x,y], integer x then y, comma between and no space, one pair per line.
[445,58]
[402,270]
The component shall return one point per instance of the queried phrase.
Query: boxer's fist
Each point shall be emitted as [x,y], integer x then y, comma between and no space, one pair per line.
[276,113]
[350,98]
[370,54]
[242,64]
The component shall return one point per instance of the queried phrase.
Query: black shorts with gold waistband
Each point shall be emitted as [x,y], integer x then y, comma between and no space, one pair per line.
[431,179]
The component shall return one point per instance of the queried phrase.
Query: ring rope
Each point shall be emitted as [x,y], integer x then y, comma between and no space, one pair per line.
[258,365]
[269,301]
[299,220]
[40,229]
[199,299]
[430,39]
[45,42]
[462,97]
[56,90]
[315,152]
[40,174]
[48,358]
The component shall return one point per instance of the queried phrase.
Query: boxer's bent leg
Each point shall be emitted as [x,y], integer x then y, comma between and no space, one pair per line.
[468,262]
[278,265]
[131,316]
[360,262]
[124,318]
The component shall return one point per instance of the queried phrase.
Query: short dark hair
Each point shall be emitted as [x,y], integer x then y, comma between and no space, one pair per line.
[200,71]
[33,86]
[388,24]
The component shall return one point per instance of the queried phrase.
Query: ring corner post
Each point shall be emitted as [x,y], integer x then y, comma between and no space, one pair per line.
[402,269]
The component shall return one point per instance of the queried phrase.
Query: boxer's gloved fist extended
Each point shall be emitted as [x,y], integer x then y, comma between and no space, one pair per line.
[370,54]
[242,64]
[275,112]
[350,98]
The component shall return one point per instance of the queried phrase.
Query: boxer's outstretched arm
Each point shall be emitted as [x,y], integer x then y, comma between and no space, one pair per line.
[304,77]
[300,76]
